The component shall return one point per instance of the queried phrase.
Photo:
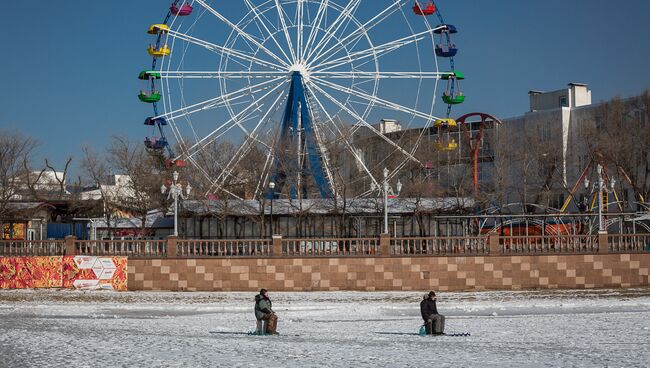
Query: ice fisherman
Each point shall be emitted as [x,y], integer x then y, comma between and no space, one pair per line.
[267,320]
[434,323]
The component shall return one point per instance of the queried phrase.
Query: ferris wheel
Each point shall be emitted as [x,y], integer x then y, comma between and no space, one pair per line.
[293,93]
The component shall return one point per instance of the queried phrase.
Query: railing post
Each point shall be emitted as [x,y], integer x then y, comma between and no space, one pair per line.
[493,243]
[172,246]
[603,242]
[276,246]
[384,245]
[70,249]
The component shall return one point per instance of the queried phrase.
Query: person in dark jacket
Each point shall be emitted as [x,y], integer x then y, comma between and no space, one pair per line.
[267,320]
[434,323]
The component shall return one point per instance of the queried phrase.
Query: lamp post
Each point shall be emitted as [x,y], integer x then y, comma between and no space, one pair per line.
[175,190]
[602,188]
[272,188]
[386,188]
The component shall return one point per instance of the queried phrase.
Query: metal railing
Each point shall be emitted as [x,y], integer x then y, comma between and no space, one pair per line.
[32,247]
[548,244]
[330,247]
[224,248]
[336,247]
[629,243]
[127,248]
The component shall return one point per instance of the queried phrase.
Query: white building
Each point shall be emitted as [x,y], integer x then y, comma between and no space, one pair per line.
[119,186]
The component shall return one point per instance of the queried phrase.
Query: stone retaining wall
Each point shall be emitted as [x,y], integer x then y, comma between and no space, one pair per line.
[391,273]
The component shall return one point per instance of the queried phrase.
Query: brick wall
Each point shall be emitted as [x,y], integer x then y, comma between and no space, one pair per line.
[394,273]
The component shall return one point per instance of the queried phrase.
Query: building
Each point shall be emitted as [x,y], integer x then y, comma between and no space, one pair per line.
[562,139]
[540,158]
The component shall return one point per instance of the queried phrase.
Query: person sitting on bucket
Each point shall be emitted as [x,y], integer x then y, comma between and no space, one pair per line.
[267,321]
[434,323]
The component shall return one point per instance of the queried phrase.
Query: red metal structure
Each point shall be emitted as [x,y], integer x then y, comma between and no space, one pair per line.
[474,144]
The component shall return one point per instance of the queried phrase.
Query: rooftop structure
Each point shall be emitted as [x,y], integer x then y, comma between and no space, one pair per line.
[577,94]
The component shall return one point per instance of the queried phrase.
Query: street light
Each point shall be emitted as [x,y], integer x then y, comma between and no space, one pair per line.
[386,188]
[601,188]
[272,188]
[175,191]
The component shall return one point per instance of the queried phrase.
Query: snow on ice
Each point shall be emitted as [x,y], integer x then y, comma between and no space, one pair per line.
[51,328]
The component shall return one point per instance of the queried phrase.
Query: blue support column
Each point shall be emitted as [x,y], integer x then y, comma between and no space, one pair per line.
[297,131]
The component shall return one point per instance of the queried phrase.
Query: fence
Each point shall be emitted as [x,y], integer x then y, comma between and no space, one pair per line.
[224,248]
[624,243]
[444,246]
[31,247]
[550,244]
[330,247]
[334,247]
[128,248]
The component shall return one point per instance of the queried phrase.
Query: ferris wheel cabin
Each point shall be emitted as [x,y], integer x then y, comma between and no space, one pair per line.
[159,51]
[446,146]
[156,144]
[155,121]
[149,97]
[422,8]
[148,75]
[453,95]
[183,10]
[445,123]
[446,48]
[156,29]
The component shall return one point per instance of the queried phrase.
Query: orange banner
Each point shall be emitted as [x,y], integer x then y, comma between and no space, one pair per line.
[78,272]
[84,272]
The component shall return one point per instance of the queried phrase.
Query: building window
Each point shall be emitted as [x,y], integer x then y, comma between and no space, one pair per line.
[563,101]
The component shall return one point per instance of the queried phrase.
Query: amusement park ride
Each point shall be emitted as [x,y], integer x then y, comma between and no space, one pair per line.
[295,70]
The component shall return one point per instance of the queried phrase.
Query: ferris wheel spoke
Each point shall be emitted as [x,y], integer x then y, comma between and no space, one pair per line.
[265,174]
[285,29]
[347,12]
[260,21]
[373,51]
[221,74]
[299,29]
[217,101]
[316,24]
[358,74]
[223,129]
[374,99]
[241,32]
[199,167]
[232,122]
[363,121]
[361,30]
[223,51]
[251,138]
[350,146]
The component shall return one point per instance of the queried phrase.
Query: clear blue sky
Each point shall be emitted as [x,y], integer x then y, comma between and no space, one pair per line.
[68,68]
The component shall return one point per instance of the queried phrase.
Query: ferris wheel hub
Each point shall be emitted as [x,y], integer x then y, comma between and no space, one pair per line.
[300,68]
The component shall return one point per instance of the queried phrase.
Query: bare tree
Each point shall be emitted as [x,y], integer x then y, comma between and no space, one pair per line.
[617,137]
[96,171]
[48,183]
[15,151]
[140,192]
